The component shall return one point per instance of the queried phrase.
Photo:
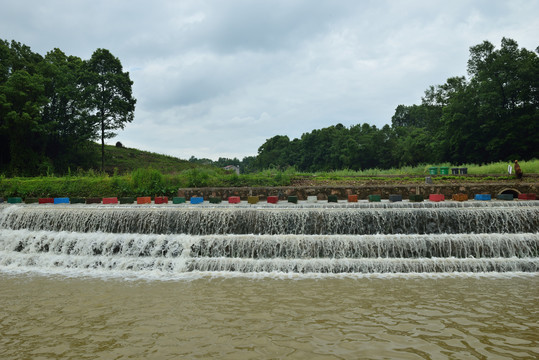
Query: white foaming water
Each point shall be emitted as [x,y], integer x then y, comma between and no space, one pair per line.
[177,255]
[263,220]
[309,240]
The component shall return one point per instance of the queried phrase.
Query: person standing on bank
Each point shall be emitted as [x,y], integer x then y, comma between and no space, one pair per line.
[518,170]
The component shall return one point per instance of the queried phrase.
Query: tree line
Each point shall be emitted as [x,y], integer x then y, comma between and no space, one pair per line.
[52,106]
[490,116]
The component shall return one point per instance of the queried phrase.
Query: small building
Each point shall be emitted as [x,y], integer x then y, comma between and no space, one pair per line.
[234,168]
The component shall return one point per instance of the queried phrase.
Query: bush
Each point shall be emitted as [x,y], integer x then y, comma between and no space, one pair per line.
[197,178]
[147,181]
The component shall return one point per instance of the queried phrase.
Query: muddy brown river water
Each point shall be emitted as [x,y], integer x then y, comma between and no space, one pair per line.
[464,316]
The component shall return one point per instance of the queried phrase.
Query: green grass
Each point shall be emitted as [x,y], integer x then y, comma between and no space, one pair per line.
[498,168]
[142,182]
[149,181]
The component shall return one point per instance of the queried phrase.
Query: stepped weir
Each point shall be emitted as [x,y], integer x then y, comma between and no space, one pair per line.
[290,238]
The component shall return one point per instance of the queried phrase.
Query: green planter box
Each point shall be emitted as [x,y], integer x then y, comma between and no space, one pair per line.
[433,171]
[293,199]
[416,198]
[375,198]
[14,200]
[505,197]
[444,171]
[178,200]
[31,200]
[127,200]
[215,200]
[332,198]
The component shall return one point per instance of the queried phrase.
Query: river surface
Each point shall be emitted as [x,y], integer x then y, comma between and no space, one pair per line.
[269,316]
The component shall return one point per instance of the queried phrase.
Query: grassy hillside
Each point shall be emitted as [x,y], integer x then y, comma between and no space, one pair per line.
[123,160]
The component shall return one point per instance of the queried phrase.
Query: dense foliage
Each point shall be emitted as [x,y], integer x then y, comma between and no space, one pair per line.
[52,106]
[491,116]
[151,182]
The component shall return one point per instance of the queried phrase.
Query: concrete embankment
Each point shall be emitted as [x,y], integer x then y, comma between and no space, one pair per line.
[363,191]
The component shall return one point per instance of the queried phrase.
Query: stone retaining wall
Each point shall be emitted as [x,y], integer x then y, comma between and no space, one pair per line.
[363,192]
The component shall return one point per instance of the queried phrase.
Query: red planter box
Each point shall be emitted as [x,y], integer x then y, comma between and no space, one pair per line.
[46,200]
[436,197]
[111,200]
[530,196]
[234,199]
[352,198]
[273,199]
[161,200]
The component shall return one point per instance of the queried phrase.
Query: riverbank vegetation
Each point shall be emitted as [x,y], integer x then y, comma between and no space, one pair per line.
[151,182]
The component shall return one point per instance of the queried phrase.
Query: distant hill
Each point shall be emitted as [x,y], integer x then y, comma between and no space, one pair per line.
[127,159]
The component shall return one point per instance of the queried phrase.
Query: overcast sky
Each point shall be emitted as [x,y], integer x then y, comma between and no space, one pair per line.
[217,78]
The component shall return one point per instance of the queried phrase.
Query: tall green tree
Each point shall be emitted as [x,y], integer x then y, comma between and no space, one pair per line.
[505,82]
[64,114]
[107,91]
[275,152]
[22,97]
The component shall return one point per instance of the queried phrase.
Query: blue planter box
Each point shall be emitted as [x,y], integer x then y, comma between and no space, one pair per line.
[197,200]
[64,200]
[482,197]
[395,197]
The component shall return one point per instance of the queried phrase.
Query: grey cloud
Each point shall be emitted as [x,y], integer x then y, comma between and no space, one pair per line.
[217,78]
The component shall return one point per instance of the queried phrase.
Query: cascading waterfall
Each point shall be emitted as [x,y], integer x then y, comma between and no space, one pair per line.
[229,220]
[322,238]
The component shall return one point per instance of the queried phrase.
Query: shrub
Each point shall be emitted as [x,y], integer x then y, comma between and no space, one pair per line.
[147,181]
[197,178]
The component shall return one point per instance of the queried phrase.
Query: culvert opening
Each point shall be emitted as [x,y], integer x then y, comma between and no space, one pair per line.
[515,192]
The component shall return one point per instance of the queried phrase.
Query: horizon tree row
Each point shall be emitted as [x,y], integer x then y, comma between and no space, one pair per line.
[52,106]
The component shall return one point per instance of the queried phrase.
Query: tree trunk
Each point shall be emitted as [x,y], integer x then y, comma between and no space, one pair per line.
[102,144]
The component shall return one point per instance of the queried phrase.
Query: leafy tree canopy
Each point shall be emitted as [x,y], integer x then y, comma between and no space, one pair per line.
[51,106]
